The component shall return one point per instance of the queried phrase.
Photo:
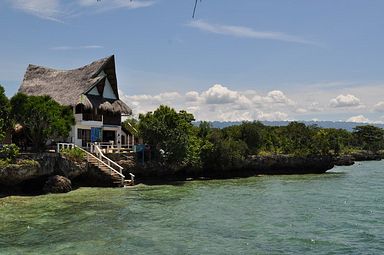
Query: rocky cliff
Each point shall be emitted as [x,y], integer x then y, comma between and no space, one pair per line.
[32,171]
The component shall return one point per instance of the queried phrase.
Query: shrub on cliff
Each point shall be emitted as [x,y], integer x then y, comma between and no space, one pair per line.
[74,154]
[19,164]
[9,152]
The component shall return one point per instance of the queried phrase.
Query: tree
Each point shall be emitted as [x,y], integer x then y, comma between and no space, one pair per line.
[222,152]
[5,109]
[369,137]
[251,134]
[131,124]
[297,138]
[171,132]
[42,118]
[205,128]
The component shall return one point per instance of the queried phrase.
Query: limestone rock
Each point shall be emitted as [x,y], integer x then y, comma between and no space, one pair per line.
[57,184]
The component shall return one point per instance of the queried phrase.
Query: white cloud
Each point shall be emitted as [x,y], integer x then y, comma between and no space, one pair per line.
[315,107]
[59,10]
[218,103]
[277,96]
[106,5]
[192,96]
[77,47]
[223,103]
[46,9]
[273,116]
[218,94]
[246,32]
[379,107]
[345,101]
[145,103]
[358,119]
[301,110]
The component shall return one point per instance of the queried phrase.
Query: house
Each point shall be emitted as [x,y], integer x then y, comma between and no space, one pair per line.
[93,94]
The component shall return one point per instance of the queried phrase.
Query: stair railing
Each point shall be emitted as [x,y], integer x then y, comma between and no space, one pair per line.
[95,148]
[99,158]
[102,157]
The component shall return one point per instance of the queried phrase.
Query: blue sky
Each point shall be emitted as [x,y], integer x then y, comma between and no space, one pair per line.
[237,60]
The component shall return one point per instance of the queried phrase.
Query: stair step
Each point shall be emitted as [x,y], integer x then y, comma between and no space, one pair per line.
[112,175]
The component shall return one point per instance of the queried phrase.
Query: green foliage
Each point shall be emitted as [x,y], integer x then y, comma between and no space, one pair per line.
[9,152]
[42,118]
[4,163]
[252,135]
[205,128]
[21,163]
[27,162]
[297,139]
[74,154]
[193,149]
[220,152]
[171,132]
[369,137]
[331,141]
[5,109]
[131,124]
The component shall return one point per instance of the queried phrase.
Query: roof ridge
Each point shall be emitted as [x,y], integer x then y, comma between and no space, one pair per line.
[105,60]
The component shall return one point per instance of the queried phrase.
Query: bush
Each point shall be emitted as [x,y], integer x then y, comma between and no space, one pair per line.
[28,162]
[9,152]
[4,163]
[74,154]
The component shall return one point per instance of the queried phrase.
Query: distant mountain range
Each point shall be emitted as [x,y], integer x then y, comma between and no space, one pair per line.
[324,124]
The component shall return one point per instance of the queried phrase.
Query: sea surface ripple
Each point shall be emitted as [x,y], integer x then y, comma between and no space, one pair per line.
[340,212]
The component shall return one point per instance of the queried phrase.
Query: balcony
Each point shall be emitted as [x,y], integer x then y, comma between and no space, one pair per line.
[89,119]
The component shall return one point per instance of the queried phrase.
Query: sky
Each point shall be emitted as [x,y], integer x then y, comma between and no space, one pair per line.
[234,61]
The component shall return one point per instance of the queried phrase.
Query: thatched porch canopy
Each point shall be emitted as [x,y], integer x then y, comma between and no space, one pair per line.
[71,87]
[90,102]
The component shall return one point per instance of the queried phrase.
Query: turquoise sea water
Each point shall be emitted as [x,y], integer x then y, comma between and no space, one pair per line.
[341,212]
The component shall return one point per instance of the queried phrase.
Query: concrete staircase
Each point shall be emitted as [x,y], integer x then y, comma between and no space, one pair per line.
[107,167]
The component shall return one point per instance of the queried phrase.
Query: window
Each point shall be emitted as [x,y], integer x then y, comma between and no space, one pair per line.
[84,135]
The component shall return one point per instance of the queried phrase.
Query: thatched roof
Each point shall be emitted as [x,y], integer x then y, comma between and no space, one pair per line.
[104,104]
[69,87]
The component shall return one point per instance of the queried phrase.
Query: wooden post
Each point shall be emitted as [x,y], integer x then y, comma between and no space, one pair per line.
[132,179]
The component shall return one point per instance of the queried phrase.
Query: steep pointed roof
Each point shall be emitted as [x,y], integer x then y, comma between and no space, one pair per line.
[67,87]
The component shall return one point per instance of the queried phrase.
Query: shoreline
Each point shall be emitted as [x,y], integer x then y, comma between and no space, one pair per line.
[156,174]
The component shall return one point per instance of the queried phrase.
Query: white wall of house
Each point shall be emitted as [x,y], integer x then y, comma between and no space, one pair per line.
[74,133]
